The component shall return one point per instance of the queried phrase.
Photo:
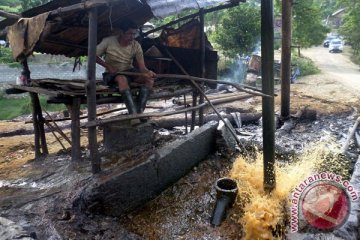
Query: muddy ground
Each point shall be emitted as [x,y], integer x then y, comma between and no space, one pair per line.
[38,195]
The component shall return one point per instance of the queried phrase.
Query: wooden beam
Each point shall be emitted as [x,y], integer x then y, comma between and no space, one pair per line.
[9,15]
[40,90]
[81,6]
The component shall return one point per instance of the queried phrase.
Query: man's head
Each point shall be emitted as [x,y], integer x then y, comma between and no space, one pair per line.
[128,31]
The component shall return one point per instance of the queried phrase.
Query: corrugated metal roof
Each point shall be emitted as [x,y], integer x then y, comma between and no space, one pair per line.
[66,33]
[163,8]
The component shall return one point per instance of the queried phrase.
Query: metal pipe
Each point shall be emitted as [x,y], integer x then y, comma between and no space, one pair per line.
[267,72]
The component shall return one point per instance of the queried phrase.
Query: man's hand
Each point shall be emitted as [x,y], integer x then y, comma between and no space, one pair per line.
[150,75]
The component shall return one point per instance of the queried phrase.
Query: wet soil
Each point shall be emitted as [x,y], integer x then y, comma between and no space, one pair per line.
[38,194]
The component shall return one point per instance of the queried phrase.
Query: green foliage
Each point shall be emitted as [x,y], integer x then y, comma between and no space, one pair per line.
[306,65]
[239,30]
[327,7]
[10,5]
[7,58]
[12,107]
[351,25]
[307,27]
[28,4]
[162,21]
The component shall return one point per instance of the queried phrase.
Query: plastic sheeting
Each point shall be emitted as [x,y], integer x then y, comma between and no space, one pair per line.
[163,8]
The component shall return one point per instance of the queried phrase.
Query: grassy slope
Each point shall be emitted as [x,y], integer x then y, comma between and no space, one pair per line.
[14,107]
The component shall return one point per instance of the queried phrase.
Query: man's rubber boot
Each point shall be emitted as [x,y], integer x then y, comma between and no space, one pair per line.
[128,100]
[144,93]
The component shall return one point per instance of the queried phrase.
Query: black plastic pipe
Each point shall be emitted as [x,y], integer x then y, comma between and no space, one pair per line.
[226,191]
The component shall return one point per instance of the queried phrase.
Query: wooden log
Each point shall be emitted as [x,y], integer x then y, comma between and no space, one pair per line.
[81,6]
[168,123]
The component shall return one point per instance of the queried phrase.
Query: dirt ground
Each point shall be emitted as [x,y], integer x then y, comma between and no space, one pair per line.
[183,210]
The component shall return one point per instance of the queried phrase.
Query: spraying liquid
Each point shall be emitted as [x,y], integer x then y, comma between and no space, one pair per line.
[265,213]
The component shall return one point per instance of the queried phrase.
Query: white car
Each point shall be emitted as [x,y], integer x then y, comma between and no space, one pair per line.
[336,45]
[2,43]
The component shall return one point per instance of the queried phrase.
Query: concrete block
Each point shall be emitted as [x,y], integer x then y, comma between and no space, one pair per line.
[121,191]
[123,136]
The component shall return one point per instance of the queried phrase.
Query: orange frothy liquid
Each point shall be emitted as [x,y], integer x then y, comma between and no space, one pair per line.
[263,212]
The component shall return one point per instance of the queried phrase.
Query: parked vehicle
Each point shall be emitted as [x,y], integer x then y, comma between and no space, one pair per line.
[3,43]
[328,40]
[336,45]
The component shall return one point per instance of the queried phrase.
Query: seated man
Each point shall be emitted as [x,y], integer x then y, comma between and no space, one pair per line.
[119,53]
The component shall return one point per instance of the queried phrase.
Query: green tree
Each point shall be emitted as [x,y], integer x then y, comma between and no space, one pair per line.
[327,7]
[10,5]
[28,4]
[238,30]
[351,24]
[307,27]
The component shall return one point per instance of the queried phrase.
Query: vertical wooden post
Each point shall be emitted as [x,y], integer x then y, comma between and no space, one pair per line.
[75,129]
[186,116]
[285,59]
[267,72]
[38,120]
[193,113]
[202,62]
[91,90]
[36,123]
[41,121]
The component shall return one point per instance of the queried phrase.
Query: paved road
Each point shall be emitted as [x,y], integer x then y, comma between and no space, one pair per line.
[337,65]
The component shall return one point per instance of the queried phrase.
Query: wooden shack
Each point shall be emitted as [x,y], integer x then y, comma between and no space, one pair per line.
[73,28]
